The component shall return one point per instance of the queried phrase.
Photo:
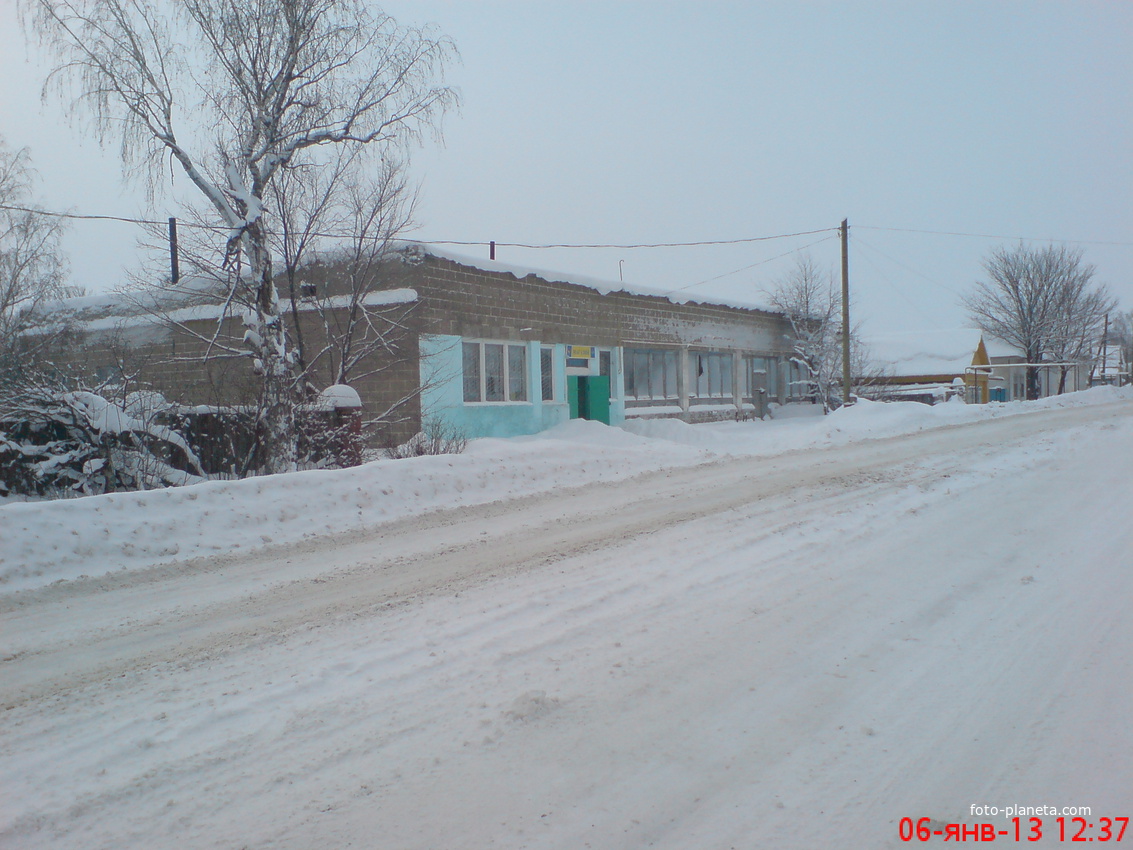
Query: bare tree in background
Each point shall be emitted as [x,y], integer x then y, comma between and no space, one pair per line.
[1121,336]
[1079,320]
[32,266]
[340,226]
[811,301]
[346,217]
[1039,300]
[269,79]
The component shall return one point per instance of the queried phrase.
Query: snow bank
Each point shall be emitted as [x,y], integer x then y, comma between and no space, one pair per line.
[45,542]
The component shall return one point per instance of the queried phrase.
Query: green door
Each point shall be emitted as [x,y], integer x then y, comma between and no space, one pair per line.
[589,397]
[597,395]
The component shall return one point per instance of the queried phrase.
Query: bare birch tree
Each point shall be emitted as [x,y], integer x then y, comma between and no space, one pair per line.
[268,79]
[32,266]
[1042,301]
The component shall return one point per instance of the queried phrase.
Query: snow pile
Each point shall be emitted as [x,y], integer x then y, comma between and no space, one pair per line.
[339,396]
[791,430]
[793,653]
[44,542]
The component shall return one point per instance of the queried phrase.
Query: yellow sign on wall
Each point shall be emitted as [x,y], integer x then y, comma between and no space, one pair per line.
[584,352]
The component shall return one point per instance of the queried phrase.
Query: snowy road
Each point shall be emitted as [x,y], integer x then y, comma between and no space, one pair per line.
[795,651]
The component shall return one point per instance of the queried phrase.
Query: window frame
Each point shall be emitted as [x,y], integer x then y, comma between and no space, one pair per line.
[644,368]
[507,381]
[712,375]
[547,377]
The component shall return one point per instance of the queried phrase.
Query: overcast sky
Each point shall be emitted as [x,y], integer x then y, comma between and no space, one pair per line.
[645,122]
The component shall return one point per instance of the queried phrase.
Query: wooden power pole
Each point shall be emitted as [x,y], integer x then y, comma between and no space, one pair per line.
[845,230]
[174,270]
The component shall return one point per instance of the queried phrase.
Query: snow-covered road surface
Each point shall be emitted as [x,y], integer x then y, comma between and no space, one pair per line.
[787,651]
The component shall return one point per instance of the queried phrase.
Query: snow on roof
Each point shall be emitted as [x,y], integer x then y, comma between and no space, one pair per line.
[88,308]
[933,352]
[198,299]
[604,287]
[1111,361]
[998,348]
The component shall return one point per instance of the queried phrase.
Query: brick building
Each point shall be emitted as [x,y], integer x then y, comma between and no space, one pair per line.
[488,349]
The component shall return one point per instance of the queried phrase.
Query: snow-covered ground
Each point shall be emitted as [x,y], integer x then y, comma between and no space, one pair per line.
[45,541]
[785,634]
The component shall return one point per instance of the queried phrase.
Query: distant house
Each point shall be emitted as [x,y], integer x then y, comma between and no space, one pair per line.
[934,366]
[1110,367]
[1009,373]
[929,366]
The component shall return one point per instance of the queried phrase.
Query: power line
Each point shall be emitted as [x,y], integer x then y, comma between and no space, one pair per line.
[753,265]
[859,241]
[640,245]
[898,290]
[990,235]
[581,245]
[624,247]
[87,217]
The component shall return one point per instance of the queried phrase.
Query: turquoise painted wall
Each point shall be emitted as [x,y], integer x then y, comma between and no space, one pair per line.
[442,396]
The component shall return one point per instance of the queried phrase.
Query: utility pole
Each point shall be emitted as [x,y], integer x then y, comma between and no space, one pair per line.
[1105,349]
[174,271]
[845,232]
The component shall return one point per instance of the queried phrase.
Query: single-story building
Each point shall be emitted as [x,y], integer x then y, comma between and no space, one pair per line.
[486,348]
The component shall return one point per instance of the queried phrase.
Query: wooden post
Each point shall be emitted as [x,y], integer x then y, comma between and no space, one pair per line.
[174,271]
[845,312]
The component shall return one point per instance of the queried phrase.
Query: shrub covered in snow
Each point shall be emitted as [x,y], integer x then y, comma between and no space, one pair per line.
[56,442]
[434,438]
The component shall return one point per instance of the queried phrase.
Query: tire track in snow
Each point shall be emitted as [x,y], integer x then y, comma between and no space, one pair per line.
[439,553]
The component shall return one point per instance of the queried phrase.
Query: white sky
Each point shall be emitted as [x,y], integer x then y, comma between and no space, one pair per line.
[670,122]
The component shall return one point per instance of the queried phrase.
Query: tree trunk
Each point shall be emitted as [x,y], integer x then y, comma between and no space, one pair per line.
[276,360]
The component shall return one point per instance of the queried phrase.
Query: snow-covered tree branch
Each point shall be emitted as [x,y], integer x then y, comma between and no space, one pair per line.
[812,303]
[269,79]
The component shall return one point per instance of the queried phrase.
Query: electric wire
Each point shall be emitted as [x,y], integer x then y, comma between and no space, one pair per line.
[556,245]
[897,290]
[754,265]
[573,245]
[992,236]
[859,241]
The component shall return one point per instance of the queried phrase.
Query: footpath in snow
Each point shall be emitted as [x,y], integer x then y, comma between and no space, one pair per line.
[48,541]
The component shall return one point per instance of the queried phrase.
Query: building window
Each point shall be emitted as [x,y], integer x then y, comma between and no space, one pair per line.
[494,371]
[472,371]
[546,375]
[712,374]
[493,354]
[650,374]
[606,367]
[516,373]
